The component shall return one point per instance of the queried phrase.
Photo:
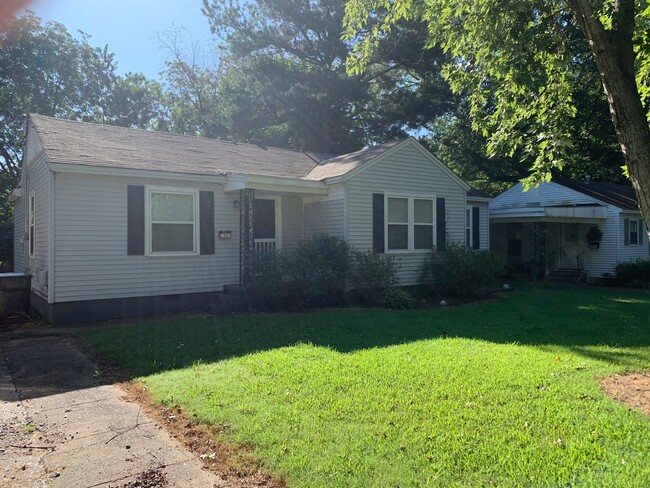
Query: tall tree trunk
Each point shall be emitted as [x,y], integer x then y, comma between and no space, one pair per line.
[613,51]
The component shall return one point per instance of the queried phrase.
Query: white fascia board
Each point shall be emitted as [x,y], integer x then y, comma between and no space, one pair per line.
[333,180]
[479,199]
[584,213]
[510,213]
[131,173]
[279,184]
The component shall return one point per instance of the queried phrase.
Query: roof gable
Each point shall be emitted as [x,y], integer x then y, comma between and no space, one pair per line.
[565,191]
[349,165]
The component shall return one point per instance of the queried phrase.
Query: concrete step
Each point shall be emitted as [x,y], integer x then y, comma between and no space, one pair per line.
[565,275]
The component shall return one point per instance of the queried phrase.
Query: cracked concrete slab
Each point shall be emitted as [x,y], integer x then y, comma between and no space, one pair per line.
[60,428]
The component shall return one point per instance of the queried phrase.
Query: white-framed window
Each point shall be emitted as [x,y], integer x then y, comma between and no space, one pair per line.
[31,229]
[171,221]
[633,230]
[468,226]
[410,223]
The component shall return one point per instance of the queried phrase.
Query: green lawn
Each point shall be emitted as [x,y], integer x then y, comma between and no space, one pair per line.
[502,393]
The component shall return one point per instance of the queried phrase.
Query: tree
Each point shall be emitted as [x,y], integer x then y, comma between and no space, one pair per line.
[595,150]
[191,96]
[45,70]
[284,78]
[514,59]
[133,101]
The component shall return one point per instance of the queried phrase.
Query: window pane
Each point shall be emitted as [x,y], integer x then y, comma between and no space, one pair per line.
[423,236]
[398,210]
[398,236]
[172,237]
[172,207]
[634,232]
[423,211]
[264,219]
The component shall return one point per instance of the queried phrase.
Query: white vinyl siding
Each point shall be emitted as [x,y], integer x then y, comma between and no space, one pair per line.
[407,171]
[291,222]
[325,215]
[38,176]
[547,194]
[91,245]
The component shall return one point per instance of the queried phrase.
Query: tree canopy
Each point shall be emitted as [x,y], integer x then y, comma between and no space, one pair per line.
[515,61]
[45,69]
[284,77]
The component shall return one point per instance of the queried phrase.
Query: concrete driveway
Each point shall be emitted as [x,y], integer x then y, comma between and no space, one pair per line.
[60,428]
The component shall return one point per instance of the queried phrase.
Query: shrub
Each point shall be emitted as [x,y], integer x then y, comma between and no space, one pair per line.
[267,271]
[397,298]
[319,269]
[633,274]
[372,276]
[459,271]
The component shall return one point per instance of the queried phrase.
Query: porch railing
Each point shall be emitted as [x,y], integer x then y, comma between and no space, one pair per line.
[264,246]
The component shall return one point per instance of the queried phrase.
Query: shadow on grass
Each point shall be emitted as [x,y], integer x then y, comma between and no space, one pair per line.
[580,319]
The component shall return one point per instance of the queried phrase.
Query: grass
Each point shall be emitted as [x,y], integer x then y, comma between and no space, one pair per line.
[500,393]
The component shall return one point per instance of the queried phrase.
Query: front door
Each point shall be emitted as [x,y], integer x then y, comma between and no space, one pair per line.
[266,224]
[569,246]
[515,235]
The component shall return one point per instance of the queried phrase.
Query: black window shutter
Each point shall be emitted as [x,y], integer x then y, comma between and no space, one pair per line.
[378,222]
[626,232]
[206,213]
[441,230]
[135,220]
[476,224]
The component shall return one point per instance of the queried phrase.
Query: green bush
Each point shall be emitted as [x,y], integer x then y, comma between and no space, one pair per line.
[372,276]
[319,268]
[397,298]
[267,271]
[459,271]
[633,274]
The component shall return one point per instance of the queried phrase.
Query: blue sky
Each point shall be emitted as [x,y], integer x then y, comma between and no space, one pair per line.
[129,27]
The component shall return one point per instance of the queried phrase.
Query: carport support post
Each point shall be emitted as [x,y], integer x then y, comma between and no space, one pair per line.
[246,236]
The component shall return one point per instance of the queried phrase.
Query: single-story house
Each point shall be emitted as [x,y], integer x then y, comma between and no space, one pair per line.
[580,226]
[114,222]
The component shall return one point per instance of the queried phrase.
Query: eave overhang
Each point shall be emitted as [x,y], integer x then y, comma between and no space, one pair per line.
[569,213]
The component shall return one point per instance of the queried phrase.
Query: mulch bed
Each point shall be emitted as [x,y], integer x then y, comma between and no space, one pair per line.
[631,389]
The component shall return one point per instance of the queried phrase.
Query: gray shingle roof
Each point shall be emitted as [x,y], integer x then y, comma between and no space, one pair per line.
[622,196]
[340,165]
[476,193]
[83,143]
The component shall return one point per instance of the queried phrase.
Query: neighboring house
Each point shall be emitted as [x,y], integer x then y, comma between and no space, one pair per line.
[545,229]
[115,222]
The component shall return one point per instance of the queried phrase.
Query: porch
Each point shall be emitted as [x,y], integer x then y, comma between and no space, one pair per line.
[272,215]
[546,241]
